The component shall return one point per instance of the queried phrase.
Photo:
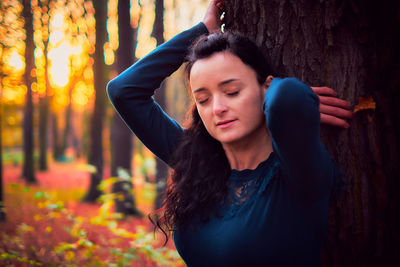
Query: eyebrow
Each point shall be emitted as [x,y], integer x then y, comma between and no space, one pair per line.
[219,85]
[226,82]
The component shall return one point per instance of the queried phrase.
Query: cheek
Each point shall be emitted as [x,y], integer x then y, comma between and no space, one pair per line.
[254,103]
[251,109]
[204,116]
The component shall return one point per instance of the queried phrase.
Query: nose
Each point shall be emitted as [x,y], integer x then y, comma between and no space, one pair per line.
[219,106]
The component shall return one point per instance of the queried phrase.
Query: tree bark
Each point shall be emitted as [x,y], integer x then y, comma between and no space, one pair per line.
[352,47]
[97,119]
[28,168]
[160,98]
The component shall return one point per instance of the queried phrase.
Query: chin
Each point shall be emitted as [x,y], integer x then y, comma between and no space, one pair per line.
[229,139]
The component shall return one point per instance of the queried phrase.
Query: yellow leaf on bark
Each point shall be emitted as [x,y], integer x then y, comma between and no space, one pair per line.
[365,103]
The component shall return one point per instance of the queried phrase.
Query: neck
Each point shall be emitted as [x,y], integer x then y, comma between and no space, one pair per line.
[249,152]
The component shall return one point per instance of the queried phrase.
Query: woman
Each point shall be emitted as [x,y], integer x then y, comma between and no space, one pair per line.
[251,179]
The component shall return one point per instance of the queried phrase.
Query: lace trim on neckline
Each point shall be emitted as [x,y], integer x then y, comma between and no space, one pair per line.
[246,185]
[247,174]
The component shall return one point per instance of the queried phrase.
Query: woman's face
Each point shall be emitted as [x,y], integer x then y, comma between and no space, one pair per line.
[228,97]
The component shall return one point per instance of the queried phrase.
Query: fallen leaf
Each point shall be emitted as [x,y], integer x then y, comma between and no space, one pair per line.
[365,103]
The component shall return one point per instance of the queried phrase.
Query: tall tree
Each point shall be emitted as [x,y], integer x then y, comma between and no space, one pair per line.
[43,129]
[68,128]
[161,167]
[353,47]
[121,137]
[2,75]
[56,137]
[2,213]
[28,168]
[44,99]
[97,119]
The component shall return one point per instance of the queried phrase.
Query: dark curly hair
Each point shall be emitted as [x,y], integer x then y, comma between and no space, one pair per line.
[199,181]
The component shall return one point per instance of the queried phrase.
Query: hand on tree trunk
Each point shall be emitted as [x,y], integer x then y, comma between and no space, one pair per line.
[212,19]
[334,111]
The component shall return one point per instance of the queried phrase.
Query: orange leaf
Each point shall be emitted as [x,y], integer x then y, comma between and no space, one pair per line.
[365,103]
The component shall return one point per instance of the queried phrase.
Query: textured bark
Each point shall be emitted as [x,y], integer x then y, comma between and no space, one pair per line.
[28,168]
[351,46]
[97,119]
[159,97]
[121,137]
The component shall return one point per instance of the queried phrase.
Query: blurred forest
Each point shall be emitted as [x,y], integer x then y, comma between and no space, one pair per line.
[76,185]
[63,147]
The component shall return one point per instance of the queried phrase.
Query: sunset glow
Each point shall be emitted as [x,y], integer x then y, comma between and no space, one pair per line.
[59,68]
[16,61]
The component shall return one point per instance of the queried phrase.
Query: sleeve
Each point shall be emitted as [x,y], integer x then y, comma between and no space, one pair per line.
[293,120]
[131,93]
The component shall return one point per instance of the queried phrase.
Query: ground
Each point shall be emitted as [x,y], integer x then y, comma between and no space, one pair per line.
[47,224]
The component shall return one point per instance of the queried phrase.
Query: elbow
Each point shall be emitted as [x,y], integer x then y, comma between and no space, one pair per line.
[290,103]
[290,96]
[113,90]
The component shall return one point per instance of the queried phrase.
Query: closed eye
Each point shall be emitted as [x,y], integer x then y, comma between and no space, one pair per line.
[203,101]
[233,93]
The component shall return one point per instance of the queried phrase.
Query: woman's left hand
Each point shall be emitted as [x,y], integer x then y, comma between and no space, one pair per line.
[334,111]
[212,18]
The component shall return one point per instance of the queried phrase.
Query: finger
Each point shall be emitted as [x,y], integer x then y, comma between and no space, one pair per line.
[335,111]
[220,5]
[334,101]
[324,91]
[334,121]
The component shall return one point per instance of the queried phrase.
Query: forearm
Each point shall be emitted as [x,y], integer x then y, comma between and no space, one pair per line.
[149,72]
[131,93]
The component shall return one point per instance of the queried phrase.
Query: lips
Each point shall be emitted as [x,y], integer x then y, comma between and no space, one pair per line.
[225,123]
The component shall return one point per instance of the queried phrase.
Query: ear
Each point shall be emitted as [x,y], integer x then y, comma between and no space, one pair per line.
[268,82]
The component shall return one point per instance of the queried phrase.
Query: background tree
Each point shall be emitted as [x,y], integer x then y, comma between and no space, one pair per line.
[12,37]
[28,168]
[2,45]
[95,157]
[121,138]
[41,23]
[353,47]
[2,213]
[159,97]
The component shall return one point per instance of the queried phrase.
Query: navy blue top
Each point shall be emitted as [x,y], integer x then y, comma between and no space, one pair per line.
[279,216]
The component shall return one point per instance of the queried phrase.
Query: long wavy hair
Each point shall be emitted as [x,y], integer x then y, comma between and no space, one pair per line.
[200,176]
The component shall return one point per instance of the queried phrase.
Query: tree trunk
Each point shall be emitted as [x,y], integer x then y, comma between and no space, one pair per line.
[159,97]
[28,168]
[44,103]
[67,127]
[43,127]
[352,47]
[121,137]
[2,213]
[56,141]
[97,120]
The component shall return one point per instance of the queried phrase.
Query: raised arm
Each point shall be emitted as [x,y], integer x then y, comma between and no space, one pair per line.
[131,93]
[293,119]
